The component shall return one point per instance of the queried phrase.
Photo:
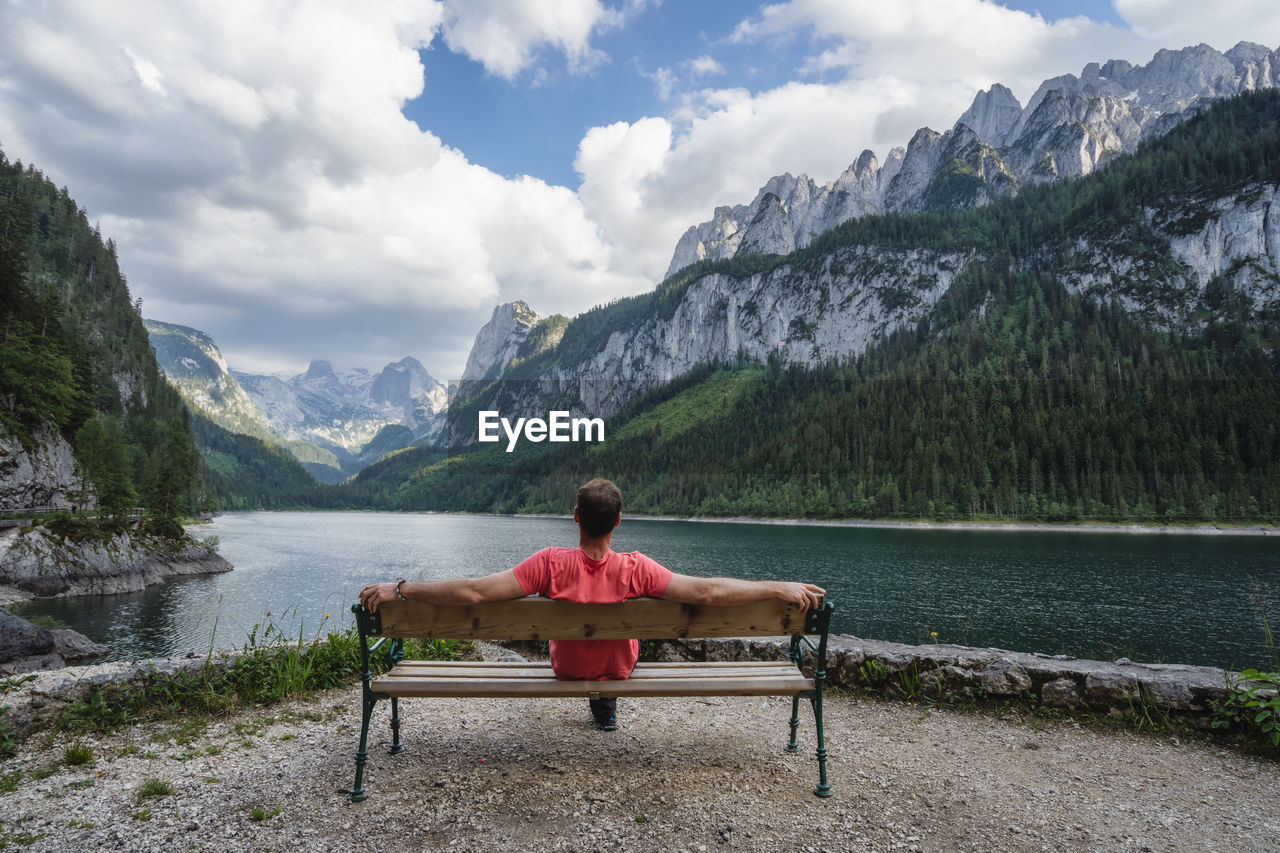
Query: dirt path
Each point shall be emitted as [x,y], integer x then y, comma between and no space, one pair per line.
[680,774]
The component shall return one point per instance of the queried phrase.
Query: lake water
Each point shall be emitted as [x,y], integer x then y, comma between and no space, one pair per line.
[1181,598]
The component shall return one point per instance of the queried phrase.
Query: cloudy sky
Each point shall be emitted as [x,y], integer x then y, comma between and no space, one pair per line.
[365,181]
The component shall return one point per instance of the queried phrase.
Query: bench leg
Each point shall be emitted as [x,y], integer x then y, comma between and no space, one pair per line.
[792,746]
[822,789]
[356,794]
[396,746]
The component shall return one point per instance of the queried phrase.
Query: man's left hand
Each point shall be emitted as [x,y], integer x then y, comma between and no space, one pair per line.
[374,594]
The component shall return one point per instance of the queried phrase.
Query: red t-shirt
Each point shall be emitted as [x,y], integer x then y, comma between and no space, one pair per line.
[570,574]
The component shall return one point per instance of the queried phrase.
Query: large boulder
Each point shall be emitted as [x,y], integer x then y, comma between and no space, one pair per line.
[20,639]
[26,648]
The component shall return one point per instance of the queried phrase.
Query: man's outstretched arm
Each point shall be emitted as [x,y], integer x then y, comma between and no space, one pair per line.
[720,591]
[500,586]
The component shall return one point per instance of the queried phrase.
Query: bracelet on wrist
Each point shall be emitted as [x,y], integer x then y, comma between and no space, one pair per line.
[399,594]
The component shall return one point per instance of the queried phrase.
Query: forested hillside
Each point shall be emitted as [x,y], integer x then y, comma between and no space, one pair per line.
[75,358]
[1073,370]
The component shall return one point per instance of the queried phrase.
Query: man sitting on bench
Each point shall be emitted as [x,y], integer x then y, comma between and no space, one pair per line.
[592,573]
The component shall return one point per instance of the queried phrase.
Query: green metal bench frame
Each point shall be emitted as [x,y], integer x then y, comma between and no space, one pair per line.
[817,622]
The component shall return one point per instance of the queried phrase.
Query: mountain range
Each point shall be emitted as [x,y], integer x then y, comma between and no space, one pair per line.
[1061,310]
[1070,127]
[1098,348]
[335,423]
[844,298]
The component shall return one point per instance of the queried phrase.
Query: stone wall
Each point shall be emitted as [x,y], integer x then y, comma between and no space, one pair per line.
[965,674]
[953,673]
[34,701]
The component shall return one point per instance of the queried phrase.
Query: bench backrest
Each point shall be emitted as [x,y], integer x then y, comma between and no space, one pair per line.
[537,618]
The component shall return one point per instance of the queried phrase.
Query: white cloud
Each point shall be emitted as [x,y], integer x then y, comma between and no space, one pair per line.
[898,66]
[504,35]
[666,82]
[647,181]
[257,156]
[704,66]
[970,43]
[1177,22]
[669,82]
[147,72]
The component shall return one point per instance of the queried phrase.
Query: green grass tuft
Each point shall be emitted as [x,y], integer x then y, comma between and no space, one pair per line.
[153,788]
[78,754]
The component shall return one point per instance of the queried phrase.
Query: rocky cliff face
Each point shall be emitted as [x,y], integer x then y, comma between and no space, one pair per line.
[993,114]
[499,340]
[834,305]
[1069,127]
[802,315]
[1218,251]
[38,476]
[194,364]
[38,562]
[1237,249]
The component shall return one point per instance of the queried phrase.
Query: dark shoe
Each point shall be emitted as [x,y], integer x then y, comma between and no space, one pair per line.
[605,713]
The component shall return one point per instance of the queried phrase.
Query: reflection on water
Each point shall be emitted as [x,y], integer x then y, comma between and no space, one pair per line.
[1178,598]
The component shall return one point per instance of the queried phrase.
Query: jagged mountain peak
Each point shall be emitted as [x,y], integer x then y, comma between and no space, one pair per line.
[319,369]
[402,382]
[992,114]
[499,340]
[1070,126]
[1170,257]
[1248,51]
[407,363]
[866,164]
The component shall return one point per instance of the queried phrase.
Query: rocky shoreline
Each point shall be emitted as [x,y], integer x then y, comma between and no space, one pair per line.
[1198,529]
[36,562]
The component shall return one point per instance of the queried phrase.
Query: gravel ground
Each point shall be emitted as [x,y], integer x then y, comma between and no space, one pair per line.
[680,774]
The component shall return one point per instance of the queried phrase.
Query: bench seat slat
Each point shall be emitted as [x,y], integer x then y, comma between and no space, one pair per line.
[516,687]
[676,664]
[463,679]
[536,670]
[526,674]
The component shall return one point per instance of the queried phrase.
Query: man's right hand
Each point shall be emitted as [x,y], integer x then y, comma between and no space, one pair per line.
[803,595]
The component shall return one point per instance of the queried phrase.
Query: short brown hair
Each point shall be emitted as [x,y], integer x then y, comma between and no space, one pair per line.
[599,507]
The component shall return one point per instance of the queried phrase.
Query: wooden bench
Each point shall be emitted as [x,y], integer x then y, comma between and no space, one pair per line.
[546,619]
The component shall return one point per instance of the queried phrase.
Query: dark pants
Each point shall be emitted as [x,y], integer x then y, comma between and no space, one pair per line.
[603,709]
